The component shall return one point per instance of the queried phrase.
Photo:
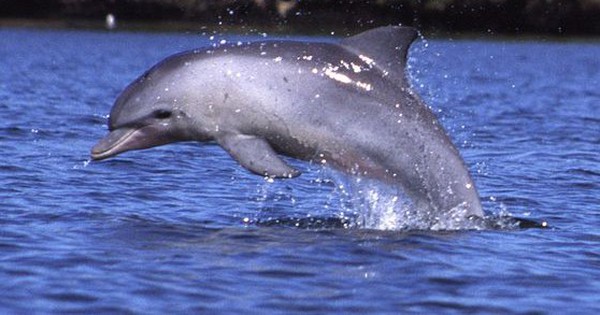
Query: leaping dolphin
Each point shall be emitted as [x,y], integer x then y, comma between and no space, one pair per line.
[346,104]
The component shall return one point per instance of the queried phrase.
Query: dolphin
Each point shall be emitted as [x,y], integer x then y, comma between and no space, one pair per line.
[345,104]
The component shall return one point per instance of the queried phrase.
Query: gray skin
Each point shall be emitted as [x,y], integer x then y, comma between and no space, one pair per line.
[348,105]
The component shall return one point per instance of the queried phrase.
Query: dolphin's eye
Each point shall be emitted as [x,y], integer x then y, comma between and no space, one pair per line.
[162,114]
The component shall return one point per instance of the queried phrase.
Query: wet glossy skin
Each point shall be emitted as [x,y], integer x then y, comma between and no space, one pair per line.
[346,105]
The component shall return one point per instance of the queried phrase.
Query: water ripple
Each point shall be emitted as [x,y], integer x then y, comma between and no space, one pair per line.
[184,229]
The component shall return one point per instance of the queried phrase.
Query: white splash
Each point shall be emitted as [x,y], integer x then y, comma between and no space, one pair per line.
[380,207]
[83,165]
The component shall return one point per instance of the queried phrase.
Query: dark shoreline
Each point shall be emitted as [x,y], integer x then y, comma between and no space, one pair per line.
[205,29]
[438,18]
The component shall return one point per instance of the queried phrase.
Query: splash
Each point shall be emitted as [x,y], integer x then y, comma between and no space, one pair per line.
[82,165]
[333,200]
[380,207]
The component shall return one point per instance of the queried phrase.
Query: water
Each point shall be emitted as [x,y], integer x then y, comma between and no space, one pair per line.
[182,228]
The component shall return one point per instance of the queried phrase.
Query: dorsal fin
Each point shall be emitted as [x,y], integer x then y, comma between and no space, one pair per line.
[387,46]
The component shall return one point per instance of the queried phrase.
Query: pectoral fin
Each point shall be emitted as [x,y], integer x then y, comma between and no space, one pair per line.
[256,155]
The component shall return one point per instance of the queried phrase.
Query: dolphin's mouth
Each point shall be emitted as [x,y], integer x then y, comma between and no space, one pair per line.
[131,138]
[134,136]
[117,141]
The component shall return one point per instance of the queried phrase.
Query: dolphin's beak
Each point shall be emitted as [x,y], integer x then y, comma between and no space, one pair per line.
[127,139]
[113,143]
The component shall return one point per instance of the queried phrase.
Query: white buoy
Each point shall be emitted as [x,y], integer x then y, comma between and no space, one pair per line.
[111,21]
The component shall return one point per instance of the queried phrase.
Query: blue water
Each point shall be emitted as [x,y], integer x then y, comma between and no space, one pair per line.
[177,229]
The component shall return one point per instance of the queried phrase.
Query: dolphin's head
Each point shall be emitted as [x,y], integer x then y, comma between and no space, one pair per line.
[150,112]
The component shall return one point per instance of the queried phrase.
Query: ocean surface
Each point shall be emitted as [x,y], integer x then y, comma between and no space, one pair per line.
[184,229]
